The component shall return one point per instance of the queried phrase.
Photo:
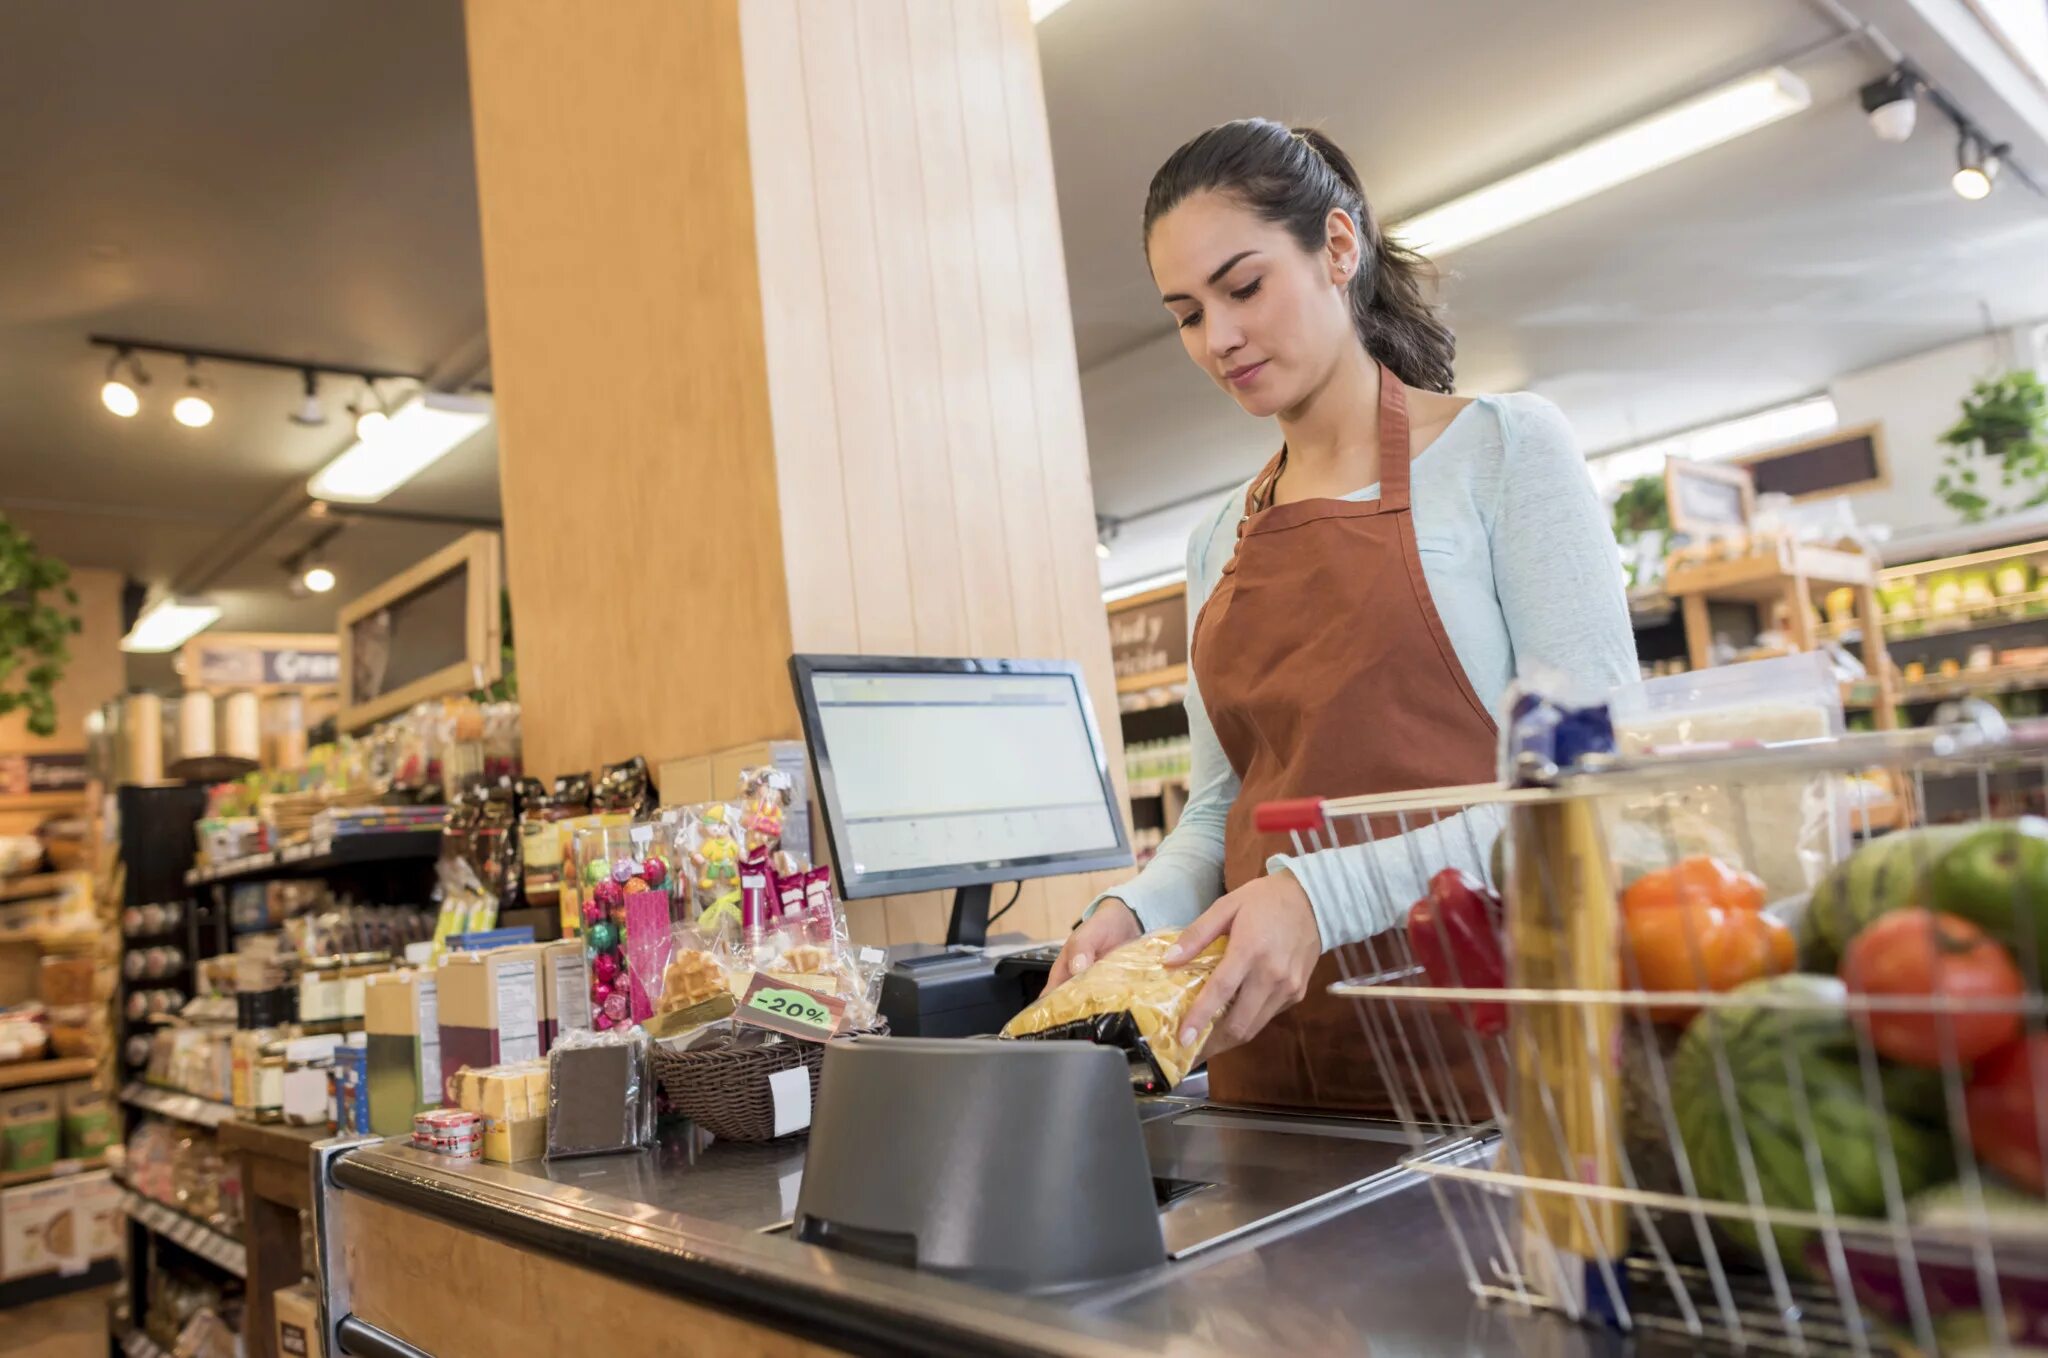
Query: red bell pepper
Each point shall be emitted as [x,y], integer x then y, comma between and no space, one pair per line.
[1455,932]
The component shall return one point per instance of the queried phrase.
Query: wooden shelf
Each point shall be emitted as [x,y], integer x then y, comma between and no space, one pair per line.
[1156,787]
[1139,683]
[62,1169]
[1760,578]
[307,860]
[1968,684]
[47,1072]
[172,1104]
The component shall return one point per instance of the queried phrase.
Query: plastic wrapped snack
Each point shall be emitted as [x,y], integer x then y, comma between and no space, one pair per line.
[1130,999]
[600,1094]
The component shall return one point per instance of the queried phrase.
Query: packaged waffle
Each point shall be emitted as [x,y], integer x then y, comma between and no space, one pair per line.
[1133,1001]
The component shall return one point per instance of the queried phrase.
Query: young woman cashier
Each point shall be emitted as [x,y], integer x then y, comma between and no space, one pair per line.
[1363,602]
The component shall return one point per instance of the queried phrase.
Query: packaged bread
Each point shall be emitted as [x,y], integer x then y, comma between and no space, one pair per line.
[1131,1000]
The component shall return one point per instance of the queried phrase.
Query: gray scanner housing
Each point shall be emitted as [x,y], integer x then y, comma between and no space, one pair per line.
[1014,1165]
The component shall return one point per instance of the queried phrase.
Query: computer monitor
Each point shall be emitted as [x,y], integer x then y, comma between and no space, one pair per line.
[936,774]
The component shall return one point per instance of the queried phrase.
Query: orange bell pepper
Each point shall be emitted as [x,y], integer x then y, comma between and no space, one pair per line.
[1702,947]
[1699,880]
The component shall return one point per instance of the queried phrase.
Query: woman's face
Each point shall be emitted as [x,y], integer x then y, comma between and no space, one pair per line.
[1264,318]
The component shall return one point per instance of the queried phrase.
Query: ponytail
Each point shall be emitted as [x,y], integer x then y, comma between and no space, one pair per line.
[1294,178]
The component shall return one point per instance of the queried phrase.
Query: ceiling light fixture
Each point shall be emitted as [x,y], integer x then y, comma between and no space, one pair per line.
[371,415]
[310,413]
[1105,533]
[1661,139]
[422,431]
[192,409]
[121,397]
[1892,104]
[168,624]
[317,578]
[1976,167]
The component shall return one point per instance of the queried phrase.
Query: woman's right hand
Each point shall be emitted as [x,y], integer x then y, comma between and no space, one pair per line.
[1109,928]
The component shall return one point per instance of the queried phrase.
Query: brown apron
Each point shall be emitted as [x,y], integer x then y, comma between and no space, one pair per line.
[1326,672]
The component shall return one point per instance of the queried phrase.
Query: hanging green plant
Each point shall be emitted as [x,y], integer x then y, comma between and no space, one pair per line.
[2002,438]
[35,633]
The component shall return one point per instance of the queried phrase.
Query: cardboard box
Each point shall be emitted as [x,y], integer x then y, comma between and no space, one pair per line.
[59,1225]
[297,1309]
[490,1005]
[402,1020]
[30,1121]
[88,1121]
[567,990]
[349,1081]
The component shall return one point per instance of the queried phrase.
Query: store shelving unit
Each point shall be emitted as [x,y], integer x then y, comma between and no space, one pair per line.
[190,1233]
[314,859]
[172,1104]
[46,1072]
[43,1286]
[59,1170]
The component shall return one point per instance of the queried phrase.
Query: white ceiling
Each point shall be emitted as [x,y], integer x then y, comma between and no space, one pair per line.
[297,179]
[1746,276]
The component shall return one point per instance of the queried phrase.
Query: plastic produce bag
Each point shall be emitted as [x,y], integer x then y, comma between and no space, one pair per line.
[1790,830]
[1131,1000]
[600,1094]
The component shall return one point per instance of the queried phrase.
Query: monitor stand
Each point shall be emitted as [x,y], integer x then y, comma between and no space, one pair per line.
[968,924]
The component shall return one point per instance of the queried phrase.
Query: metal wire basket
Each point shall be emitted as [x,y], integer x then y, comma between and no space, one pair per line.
[1782,1163]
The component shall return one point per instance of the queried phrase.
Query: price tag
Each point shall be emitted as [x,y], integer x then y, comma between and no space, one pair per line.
[785,1008]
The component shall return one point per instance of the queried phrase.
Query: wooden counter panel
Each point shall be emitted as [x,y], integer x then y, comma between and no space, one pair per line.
[452,1292]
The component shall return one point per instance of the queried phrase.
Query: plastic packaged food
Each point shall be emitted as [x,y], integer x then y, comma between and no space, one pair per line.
[765,796]
[600,1094]
[1132,1000]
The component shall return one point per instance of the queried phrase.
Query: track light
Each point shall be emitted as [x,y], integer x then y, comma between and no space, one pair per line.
[371,416]
[118,396]
[310,412]
[1976,167]
[192,409]
[1105,533]
[1892,104]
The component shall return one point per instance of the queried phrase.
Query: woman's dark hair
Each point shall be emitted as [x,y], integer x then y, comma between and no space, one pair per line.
[1294,177]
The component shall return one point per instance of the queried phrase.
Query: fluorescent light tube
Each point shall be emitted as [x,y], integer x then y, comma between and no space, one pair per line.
[420,433]
[168,624]
[1661,139]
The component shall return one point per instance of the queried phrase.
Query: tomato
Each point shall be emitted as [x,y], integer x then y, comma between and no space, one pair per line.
[1702,947]
[1699,880]
[1919,952]
[2004,1101]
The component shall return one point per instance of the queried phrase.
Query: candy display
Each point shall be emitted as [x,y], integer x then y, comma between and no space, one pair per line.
[765,797]
[715,859]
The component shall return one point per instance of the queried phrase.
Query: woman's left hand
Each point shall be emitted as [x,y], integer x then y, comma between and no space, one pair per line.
[1274,944]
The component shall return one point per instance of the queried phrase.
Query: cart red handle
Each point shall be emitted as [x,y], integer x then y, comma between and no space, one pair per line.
[1298,816]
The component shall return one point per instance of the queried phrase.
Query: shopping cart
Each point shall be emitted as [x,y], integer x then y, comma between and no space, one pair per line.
[1728,1164]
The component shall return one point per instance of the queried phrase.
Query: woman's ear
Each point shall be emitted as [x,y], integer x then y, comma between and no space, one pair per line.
[1341,251]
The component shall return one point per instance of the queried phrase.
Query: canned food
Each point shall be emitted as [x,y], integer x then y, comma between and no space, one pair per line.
[133,963]
[449,1131]
[131,920]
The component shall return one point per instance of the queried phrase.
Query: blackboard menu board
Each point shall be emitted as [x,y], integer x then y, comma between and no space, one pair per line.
[1149,633]
[1707,497]
[1846,460]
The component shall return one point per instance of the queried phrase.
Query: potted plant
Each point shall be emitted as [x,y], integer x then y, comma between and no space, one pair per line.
[1642,521]
[2003,433]
[35,633]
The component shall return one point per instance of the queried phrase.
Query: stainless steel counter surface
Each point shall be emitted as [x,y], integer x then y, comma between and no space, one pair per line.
[1372,1271]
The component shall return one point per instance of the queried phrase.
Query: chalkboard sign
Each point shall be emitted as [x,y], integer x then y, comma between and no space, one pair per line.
[428,633]
[1840,463]
[1708,497]
[1148,634]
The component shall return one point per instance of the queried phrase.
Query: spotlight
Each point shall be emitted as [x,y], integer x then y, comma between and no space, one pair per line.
[318,579]
[118,396]
[192,409]
[1891,104]
[370,414]
[1976,167]
[310,413]
[1105,533]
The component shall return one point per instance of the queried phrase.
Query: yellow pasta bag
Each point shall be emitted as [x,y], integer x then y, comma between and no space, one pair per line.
[1133,1001]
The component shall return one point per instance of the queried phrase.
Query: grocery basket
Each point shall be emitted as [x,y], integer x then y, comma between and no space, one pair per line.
[1654,1108]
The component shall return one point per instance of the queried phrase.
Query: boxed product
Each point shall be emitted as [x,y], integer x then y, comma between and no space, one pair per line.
[29,1123]
[402,1022]
[489,1010]
[349,1083]
[566,990]
[60,1224]
[512,1102]
[88,1121]
[297,1309]
[66,980]
[304,1083]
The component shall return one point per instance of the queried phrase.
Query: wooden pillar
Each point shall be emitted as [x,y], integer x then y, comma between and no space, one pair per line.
[783,360]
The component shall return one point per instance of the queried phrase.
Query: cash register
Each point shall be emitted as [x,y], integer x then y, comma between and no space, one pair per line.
[961,775]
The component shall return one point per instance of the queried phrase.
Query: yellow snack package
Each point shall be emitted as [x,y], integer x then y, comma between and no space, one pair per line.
[1131,1000]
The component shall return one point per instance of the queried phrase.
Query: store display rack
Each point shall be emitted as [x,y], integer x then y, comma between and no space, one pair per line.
[59,1170]
[309,860]
[172,1104]
[43,1286]
[192,1234]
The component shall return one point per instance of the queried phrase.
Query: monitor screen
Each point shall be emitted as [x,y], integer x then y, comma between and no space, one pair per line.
[946,773]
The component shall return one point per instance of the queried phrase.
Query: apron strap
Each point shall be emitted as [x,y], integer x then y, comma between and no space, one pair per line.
[1393,430]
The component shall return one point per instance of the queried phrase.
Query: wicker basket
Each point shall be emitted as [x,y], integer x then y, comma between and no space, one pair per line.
[726,1091]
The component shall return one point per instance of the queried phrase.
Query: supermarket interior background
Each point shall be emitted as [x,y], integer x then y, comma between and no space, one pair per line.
[448,420]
